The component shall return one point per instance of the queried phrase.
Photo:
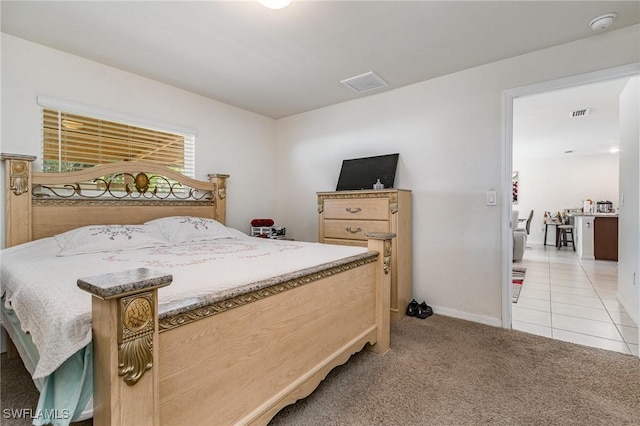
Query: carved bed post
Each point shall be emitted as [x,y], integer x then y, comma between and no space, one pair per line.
[17,198]
[125,346]
[221,196]
[381,242]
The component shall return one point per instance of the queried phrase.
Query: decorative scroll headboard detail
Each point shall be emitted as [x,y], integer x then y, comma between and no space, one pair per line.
[45,204]
[126,186]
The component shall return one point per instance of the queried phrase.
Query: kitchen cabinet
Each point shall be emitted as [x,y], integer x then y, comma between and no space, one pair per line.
[605,238]
[597,236]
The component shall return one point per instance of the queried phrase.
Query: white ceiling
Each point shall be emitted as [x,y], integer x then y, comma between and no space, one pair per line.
[283,62]
[543,126]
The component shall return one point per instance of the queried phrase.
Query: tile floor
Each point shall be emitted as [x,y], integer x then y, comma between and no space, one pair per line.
[572,300]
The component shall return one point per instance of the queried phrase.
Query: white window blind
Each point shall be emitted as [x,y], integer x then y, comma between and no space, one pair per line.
[74,142]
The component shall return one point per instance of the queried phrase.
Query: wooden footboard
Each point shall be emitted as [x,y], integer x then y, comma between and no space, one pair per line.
[242,361]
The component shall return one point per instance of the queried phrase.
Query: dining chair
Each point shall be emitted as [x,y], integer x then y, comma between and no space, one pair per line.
[563,232]
[527,226]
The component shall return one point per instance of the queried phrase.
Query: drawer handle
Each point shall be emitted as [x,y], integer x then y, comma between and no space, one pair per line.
[352,210]
[353,231]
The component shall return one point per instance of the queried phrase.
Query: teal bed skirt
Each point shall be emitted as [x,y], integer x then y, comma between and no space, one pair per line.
[65,393]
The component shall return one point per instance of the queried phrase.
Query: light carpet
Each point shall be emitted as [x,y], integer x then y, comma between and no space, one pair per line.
[445,371]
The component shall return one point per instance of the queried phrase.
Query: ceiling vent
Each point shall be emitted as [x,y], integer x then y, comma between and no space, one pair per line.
[580,113]
[365,82]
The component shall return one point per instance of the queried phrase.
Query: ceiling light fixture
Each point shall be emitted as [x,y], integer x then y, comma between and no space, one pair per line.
[602,22]
[275,4]
[614,149]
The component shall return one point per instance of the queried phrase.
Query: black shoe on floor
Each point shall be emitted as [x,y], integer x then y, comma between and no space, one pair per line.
[424,311]
[412,308]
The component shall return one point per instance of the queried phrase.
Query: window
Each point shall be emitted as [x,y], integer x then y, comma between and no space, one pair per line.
[74,142]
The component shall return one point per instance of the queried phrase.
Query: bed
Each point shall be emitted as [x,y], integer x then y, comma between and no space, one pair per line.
[162,353]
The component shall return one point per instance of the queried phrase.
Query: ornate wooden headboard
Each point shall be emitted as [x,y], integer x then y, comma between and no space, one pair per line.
[41,205]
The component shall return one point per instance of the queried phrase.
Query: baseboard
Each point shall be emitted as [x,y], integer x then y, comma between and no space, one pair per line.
[628,308]
[482,319]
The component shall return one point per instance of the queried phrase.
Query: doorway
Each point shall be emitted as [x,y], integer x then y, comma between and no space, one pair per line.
[546,256]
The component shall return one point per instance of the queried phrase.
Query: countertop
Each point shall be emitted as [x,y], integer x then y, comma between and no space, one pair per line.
[596,214]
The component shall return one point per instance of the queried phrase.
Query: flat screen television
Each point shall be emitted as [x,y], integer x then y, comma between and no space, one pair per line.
[362,173]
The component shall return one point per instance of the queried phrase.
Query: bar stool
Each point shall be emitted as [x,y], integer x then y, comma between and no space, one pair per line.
[562,236]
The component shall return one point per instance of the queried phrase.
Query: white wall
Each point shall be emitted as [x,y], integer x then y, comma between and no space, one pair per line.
[629,231]
[230,140]
[448,133]
[561,183]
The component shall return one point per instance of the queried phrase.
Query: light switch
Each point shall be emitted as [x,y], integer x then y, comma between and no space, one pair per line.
[492,198]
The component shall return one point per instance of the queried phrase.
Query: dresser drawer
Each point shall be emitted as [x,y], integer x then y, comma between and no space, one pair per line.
[357,243]
[353,229]
[358,208]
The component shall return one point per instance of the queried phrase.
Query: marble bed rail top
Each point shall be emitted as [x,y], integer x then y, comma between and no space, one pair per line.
[118,284]
[168,310]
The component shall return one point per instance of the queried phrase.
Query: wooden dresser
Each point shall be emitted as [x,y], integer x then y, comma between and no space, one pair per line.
[347,216]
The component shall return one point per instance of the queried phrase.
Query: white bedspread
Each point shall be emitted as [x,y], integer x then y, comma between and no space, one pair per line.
[41,287]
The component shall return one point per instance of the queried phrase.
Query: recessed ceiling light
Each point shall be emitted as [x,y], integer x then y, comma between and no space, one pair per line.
[602,22]
[614,149]
[275,4]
